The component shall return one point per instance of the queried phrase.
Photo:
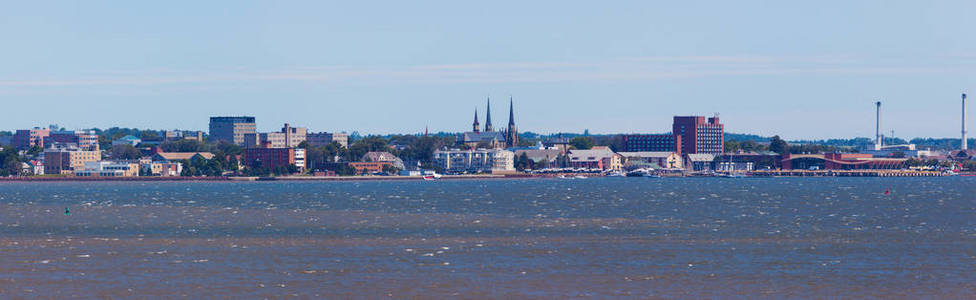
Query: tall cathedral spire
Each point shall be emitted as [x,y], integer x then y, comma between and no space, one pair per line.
[476,125]
[511,137]
[511,112]
[488,117]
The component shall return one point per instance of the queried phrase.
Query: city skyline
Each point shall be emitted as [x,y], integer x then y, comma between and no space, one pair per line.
[801,71]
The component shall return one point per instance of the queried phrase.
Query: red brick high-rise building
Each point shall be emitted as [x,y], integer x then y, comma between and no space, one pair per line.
[699,136]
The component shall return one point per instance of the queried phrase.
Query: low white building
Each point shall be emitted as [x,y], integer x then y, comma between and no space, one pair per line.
[475,161]
[300,158]
[699,161]
[108,169]
[651,159]
[161,168]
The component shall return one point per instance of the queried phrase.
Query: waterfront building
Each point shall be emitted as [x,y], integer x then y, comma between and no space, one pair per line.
[108,169]
[231,129]
[370,167]
[37,167]
[27,138]
[324,138]
[695,135]
[161,168]
[376,156]
[651,159]
[127,140]
[600,157]
[747,161]
[699,161]
[475,160]
[65,159]
[840,161]
[269,157]
[652,143]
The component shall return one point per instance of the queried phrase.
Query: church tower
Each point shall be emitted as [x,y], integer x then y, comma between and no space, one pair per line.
[476,125]
[511,137]
[488,117]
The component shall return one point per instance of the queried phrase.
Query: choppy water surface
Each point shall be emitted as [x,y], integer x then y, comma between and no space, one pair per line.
[535,238]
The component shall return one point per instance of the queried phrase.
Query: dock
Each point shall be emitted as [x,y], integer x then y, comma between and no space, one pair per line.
[845,173]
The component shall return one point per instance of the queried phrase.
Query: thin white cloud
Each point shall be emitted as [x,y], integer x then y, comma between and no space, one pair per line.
[624,69]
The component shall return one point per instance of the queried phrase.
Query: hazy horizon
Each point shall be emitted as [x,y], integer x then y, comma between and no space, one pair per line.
[804,71]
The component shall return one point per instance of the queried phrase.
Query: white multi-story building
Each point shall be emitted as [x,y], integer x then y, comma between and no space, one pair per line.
[108,169]
[300,158]
[475,161]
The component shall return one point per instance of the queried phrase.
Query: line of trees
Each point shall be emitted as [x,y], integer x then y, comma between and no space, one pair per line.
[10,163]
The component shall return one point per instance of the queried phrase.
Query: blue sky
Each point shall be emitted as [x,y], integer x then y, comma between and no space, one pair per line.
[800,70]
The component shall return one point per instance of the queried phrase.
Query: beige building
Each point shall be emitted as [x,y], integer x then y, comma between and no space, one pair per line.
[288,137]
[652,159]
[324,138]
[67,160]
[600,157]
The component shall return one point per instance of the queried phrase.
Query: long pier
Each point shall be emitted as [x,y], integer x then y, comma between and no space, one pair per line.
[845,173]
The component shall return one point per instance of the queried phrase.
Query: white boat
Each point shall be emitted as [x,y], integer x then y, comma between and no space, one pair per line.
[432,176]
[579,177]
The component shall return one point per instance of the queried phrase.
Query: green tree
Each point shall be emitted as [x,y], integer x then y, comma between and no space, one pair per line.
[125,151]
[10,163]
[522,162]
[582,142]
[778,145]
[732,146]
[391,170]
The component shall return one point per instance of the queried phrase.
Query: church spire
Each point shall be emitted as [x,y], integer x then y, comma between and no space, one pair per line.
[488,117]
[511,136]
[476,125]
[511,112]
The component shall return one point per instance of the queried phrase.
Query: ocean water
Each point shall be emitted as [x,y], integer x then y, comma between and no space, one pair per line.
[498,238]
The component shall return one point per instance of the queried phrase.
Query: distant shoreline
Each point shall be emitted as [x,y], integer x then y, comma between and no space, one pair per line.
[756,174]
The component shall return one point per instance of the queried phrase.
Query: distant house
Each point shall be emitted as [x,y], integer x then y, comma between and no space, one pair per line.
[178,156]
[597,158]
[127,140]
[699,161]
[542,158]
[376,156]
[651,159]
[962,154]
